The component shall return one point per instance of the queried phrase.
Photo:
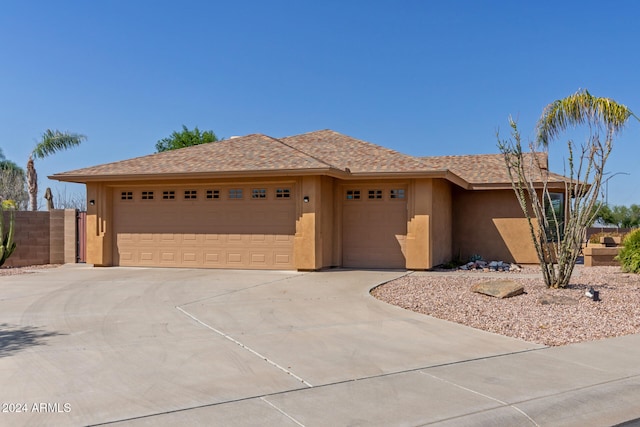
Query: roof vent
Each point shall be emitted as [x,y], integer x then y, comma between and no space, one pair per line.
[234,137]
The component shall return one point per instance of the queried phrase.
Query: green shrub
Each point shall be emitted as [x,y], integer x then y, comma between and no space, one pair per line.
[629,255]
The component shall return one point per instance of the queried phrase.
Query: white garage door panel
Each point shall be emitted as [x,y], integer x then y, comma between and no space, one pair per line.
[221,233]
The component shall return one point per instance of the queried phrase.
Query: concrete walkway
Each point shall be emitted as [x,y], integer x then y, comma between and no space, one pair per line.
[155,347]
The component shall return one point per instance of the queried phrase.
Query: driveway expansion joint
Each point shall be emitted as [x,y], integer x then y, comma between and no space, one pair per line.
[252,351]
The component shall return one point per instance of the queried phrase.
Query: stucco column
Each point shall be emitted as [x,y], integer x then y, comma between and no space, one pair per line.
[418,250]
[307,242]
[99,225]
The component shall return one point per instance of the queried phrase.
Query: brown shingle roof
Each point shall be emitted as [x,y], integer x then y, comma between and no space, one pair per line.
[344,152]
[482,169]
[254,152]
[320,150]
[325,150]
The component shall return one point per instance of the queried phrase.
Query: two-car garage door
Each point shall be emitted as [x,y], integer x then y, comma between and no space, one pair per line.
[247,227]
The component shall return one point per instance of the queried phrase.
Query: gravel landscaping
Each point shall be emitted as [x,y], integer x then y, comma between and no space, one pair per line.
[11,271]
[446,295]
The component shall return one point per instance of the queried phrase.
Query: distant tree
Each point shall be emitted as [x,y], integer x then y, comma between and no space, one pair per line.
[620,216]
[65,200]
[51,142]
[12,183]
[8,164]
[558,242]
[185,138]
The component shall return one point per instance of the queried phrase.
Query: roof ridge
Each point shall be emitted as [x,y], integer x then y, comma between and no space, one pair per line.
[304,152]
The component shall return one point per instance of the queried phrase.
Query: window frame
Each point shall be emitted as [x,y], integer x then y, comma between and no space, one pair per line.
[258,194]
[213,194]
[147,195]
[397,194]
[560,215]
[235,194]
[353,194]
[283,193]
[375,194]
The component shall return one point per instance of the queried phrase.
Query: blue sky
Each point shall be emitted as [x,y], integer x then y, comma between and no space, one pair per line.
[420,77]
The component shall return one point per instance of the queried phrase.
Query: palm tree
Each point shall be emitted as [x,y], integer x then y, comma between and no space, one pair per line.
[52,141]
[578,109]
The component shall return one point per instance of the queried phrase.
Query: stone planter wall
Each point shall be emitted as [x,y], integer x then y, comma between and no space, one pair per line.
[599,255]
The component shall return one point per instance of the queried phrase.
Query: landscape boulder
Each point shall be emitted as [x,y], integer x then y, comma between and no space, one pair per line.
[498,288]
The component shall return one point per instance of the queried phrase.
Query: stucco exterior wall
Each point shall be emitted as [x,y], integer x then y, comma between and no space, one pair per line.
[99,220]
[441,224]
[418,248]
[491,224]
[327,222]
[307,244]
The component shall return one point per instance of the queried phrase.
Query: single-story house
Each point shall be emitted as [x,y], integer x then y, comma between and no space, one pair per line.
[311,201]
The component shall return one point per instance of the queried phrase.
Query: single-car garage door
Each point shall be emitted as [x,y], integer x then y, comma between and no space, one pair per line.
[374,226]
[248,227]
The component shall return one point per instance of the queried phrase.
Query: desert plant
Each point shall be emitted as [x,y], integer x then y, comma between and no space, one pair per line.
[629,255]
[8,245]
[559,231]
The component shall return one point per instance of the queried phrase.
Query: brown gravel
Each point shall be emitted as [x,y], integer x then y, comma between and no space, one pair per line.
[447,296]
[11,271]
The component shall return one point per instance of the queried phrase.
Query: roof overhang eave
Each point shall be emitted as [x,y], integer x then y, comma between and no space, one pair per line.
[433,173]
[555,185]
[85,178]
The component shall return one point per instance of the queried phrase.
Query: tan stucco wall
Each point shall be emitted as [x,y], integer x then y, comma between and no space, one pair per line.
[327,222]
[429,235]
[491,224]
[418,248]
[99,222]
[441,224]
[308,249]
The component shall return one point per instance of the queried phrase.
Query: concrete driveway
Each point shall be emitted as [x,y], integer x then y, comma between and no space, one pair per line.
[124,346]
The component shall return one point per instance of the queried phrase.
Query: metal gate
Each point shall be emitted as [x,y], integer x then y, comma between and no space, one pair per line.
[81,235]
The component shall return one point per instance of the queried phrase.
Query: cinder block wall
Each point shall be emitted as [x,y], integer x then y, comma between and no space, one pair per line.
[43,237]
[31,237]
